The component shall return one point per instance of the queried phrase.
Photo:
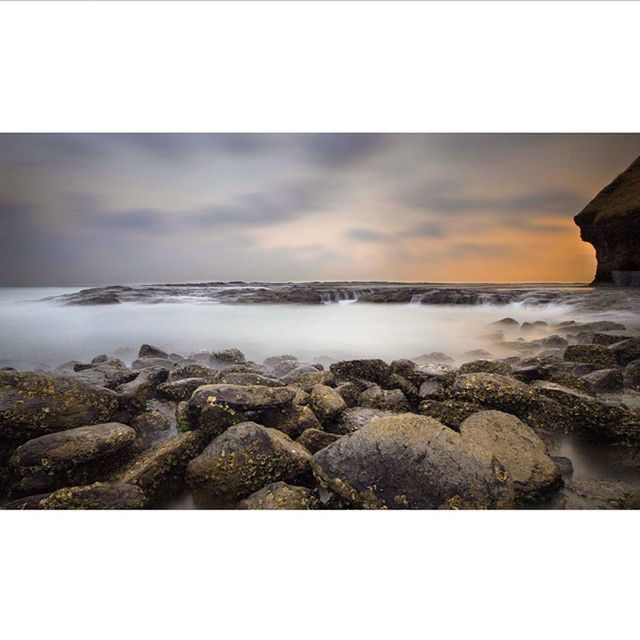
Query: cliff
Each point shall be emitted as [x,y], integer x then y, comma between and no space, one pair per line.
[611,223]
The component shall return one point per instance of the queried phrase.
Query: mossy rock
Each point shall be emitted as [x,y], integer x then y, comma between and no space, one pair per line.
[281,496]
[245,458]
[35,404]
[315,439]
[100,495]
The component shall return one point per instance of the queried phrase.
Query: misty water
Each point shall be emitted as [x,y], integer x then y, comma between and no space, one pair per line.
[38,333]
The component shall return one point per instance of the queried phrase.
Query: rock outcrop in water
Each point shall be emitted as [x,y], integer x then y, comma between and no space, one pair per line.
[611,223]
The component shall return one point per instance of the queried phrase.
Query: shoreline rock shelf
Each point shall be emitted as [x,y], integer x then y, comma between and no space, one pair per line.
[285,434]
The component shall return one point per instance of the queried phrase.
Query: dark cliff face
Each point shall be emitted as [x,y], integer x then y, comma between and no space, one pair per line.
[611,223]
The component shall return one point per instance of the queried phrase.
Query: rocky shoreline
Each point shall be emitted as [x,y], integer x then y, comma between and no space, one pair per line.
[286,434]
[579,296]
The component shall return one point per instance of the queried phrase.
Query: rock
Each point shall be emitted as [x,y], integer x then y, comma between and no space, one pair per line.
[100,359]
[72,457]
[135,394]
[477,354]
[193,370]
[180,389]
[34,404]
[565,465]
[384,399]
[227,356]
[435,357]
[350,392]
[280,495]
[25,503]
[100,495]
[290,419]
[450,412]
[409,370]
[609,423]
[409,390]
[486,366]
[631,375]
[244,459]
[626,351]
[610,338]
[250,379]
[431,389]
[604,380]
[550,342]
[507,322]
[295,372]
[516,446]
[412,462]
[326,403]
[355,418]
[611,223]
[590,353]
[571,381]
[151,363]
[149,351]
[150,427]
[373,370]
[160,471]
[274,361]
[315,439]
[308,379]
[588,493]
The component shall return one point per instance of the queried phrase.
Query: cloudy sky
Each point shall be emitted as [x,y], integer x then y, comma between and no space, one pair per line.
[116,208]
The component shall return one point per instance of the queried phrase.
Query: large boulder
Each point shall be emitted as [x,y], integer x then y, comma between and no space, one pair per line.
[34,404]
[100,495]
[182,389]
[110,374]
[611,223]
[494,391]
[249,378]
[627,351]
[160,471]
[411,461]
[603,380]
[384,399]
[487,366]
[517,447]
[135,394]
[373,370]
[72,457]
[245,458]
[280,495]
[291,419]
[631,375]
[149,351]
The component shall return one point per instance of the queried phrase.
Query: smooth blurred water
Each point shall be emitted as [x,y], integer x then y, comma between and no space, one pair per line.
[36,333]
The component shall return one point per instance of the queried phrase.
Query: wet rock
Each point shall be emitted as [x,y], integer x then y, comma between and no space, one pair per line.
[193,370]
[449,412]
[350,392]
[590,353]
[315,439]
[160,471]
[227,356]
[486,366]
[34,404]
[412,462]
[373,370]
[626,352]
[100,495]
[604,380]
[134,395]
[609,423]
[431,389]
[280,495]
[631,375]
[150,427]
[588,493]
[244,459]
[290,419]
[151,363]
[326,403]
[516,446]
[180,389]
[72,457]
[565,465]
[385,399]
[149,351]
[507,322]
[250,379]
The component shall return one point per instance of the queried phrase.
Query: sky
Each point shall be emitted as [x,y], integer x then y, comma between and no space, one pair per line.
[89,209]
